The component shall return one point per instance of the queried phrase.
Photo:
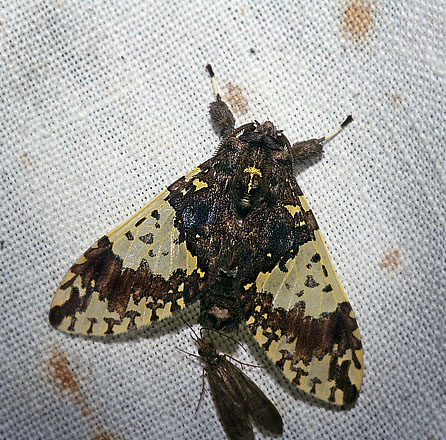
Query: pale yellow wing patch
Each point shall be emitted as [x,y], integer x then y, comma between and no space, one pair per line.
[132,276]
[153,238]
[299,312]
[308,274]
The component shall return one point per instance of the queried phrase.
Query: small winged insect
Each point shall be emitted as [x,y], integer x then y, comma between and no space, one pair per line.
[237,235]
[237,398]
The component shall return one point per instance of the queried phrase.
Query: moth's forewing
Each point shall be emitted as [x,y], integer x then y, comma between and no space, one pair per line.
[139,273]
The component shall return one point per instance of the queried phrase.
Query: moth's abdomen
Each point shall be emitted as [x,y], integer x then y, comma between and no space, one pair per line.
[220,304]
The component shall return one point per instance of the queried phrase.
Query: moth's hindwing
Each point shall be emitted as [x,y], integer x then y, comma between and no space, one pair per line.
[140,272]
[303,320]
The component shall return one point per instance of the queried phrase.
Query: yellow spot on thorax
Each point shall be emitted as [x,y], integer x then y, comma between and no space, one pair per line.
[252,171]
[247,286]
[200,273]
[199,184]
[180,302]
[181,287]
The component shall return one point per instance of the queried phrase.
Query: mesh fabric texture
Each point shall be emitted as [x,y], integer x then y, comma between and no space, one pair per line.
[103,104]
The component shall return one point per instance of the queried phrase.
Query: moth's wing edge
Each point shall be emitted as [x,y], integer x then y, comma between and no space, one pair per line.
[283,319]
[108,290]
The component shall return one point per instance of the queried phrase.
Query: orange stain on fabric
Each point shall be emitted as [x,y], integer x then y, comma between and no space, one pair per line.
[64,379]
[357,19]
[237,101]
[391,260]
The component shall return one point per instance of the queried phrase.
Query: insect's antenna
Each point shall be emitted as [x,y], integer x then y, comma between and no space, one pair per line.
[338,130]
[193,331]
[223,334]
[214,82]
[201,332]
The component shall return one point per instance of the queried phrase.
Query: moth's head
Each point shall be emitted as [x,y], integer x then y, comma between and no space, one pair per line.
[267,128]
[267,134]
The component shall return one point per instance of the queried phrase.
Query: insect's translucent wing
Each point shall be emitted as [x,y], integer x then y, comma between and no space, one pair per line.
[260,408]
[237,398]
[139,273]
[303,320]
[228,398]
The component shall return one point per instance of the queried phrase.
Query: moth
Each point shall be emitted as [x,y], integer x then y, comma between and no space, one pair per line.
[236,234]
[237,398]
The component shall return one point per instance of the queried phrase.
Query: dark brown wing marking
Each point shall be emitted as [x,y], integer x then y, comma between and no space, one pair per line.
[141,272]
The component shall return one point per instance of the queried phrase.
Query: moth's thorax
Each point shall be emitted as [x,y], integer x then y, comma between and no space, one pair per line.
[208,354]
[214,360]
[262,153]
[255,164]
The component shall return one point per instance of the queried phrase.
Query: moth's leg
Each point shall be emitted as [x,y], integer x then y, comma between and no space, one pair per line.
[221,116]
[314,147]
[202,390]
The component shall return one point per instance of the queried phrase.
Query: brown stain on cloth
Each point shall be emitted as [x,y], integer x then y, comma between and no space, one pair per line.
[65,380]
[234,96]
[391,260]
[357,19]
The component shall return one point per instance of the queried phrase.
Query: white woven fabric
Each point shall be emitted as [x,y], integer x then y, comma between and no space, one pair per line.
[104,104]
